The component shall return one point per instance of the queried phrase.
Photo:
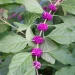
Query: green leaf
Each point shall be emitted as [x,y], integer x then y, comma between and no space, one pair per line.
[30,18]
[4,1]
[20,26]
[64,33]
[70,70]
[21,64]
[69,6]
[69,19]
[73,52]
[48,46]
[3,28]
[11,42]
[5,14]
[29,21]
[4,65]
[57,65]
[4,70]
[63,55]
[29,36]
[31,5]
[48,58]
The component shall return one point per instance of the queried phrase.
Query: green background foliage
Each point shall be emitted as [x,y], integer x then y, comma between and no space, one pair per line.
[58,48]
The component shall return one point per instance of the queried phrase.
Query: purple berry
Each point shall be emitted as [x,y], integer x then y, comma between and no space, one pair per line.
[45,8]
[36,52]
[38,40]
[47,16]
[37,64]
[42,26]
[52,7]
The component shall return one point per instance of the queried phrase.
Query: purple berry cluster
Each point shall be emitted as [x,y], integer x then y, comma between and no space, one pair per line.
[52,7]
[37,64]
[47,16]
[42,26]
[38,40]
[37,52]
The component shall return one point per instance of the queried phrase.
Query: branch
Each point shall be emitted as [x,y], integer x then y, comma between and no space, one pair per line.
[11,26]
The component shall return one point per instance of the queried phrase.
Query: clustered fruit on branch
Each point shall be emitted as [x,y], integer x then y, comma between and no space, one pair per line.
[38,39]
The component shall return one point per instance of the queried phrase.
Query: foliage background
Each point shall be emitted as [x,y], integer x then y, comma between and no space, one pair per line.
[59,46]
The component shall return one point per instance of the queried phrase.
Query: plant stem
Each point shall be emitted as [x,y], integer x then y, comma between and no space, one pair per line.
[40,33]
[12,26]
[43,34]
[37,72]
[45,20]
[57,2]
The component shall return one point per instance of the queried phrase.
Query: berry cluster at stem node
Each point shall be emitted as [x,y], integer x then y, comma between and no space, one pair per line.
[38,40]
[52,7]
[47,16]
[42,26]
[36,52]
[45,8]
[37,64]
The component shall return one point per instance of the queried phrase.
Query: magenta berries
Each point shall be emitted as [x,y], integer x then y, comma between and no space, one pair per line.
[45,8]
[47,16]
[42,26]
[36,52]
[52,7]
[37,64]
[38,40]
